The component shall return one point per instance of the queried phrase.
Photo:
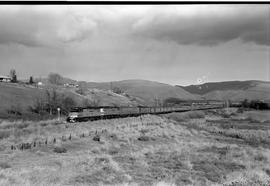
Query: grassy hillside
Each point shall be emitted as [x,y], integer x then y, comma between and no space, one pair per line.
[233,90]
[17,95]
[146,91]
[108,98]
[226,85]
[238,95]
[20,97]
[211,148]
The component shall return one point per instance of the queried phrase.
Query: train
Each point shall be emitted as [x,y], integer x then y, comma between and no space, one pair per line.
[79,114]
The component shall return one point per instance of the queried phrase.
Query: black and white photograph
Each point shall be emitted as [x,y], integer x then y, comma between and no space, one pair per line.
[146,94]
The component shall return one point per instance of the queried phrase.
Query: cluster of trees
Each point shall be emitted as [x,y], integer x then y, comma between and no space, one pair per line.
[172,101]
[53,78]
[48,103]
[52,98]
[13,76]
[14,79]
[255,104]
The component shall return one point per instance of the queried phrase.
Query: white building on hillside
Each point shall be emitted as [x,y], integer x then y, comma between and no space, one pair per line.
[5,78]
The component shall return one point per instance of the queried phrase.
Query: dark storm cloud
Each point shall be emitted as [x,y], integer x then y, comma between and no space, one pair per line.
[32,28]
[249,23]
[105,43]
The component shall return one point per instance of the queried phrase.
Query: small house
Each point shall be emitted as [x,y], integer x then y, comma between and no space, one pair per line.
[5,79]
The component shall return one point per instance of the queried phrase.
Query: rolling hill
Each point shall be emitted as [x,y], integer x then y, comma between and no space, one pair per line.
[233,90]
[144,91]
[21,96]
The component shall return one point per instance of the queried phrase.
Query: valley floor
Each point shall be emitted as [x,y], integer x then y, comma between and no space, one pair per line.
[219,147]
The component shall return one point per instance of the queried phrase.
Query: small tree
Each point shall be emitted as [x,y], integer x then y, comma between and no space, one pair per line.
[39,105]
[13,75]
[53,99]
[82,88]
[31,80]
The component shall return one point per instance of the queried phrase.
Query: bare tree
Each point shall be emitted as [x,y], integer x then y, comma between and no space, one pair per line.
[55,79]
[39,105]
[53,100]
[82,89]
[13,75]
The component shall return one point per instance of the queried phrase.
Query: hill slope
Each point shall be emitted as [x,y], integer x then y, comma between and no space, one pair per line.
[144,91]
[14,95]
[21,97]
[233,90]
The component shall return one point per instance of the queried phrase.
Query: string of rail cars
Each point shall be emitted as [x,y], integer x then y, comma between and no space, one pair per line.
[80,114]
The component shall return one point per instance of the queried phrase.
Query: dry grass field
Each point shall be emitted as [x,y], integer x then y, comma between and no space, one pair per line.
[217,147]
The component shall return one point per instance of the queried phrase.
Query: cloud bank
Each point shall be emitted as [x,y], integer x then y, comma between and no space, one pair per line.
[194,24]
[29,27]
[171,44]
[209,25]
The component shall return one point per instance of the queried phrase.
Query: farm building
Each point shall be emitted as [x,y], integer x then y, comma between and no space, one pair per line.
[5,78]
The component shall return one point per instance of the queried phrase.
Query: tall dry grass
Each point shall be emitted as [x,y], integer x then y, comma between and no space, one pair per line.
[184,116]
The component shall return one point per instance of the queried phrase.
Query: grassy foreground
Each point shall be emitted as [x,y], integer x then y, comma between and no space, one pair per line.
[221,147]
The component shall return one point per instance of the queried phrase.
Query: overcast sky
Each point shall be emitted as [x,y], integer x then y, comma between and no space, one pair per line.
[180,44]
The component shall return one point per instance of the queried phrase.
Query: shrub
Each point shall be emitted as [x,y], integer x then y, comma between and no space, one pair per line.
[22,125]
[117,90]
[255,104]
[143,138]
[240,110]
[186,115]
[113,150]
[96,138]
[15,110]
[59,150]
[113,136]
[4,165]
[4,134]
[196,114]
[260,157]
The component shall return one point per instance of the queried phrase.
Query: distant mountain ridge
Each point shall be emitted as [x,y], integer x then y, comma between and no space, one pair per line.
[233,90]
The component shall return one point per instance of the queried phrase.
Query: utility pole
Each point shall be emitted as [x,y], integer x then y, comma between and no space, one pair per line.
[58,112]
